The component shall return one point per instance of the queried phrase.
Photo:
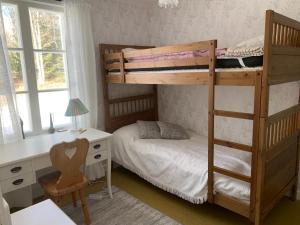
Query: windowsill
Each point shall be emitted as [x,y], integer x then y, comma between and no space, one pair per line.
[45,131]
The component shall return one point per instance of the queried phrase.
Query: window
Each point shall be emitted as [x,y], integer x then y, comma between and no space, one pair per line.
[36,52]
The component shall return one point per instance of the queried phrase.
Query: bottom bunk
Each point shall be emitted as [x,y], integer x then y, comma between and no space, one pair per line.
[180,166]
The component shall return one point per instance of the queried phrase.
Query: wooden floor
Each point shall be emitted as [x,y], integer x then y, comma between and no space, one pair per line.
[287,212]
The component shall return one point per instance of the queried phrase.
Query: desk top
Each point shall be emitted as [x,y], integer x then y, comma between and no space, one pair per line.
[46,213]
[40,145]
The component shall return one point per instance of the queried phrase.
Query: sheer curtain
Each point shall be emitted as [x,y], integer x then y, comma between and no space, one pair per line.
[10,129]
[82,65]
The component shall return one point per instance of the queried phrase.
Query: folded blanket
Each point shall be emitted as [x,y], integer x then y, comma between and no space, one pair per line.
[248,48]
[245,52]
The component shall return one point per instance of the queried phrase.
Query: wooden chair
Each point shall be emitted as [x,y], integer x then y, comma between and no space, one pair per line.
[67,158]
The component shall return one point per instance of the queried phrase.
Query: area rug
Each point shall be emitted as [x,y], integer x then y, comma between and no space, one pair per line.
[123,209]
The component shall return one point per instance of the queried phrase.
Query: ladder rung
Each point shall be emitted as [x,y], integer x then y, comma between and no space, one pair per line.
[232,174]
[240,115]
[242,147]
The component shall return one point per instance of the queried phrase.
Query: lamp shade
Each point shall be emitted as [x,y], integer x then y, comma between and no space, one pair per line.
[76,108]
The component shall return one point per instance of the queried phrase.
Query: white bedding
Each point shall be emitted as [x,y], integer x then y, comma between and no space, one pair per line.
[180,166]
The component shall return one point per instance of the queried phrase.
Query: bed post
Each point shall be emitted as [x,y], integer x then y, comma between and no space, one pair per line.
[155,92]
[263,116]
[211,108]
[104,88]
[295,187]
[122,70]
[255,143]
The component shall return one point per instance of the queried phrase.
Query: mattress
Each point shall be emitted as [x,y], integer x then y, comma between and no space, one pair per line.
[180,166]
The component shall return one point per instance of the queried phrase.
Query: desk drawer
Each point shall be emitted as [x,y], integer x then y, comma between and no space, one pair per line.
[98,146]
[18,182]
[15,169]
[96,157]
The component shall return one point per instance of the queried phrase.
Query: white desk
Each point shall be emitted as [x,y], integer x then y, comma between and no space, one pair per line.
[43,213]
[20,161]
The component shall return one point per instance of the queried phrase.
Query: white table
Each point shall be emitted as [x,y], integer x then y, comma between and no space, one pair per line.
[20,161]
[43,213]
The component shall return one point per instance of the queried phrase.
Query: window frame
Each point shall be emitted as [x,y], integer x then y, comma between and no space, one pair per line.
[29,74]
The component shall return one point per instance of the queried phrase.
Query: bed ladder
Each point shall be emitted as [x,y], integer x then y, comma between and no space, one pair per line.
[212,112]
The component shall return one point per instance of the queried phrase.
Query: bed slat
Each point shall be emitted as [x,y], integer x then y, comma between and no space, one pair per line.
[230,144]
[239,115]
[232,174]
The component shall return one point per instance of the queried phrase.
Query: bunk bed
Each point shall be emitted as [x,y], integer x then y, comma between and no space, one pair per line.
[275,139]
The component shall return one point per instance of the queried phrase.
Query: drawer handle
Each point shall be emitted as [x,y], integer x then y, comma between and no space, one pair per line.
[98,156]
[16,169]
[97,146]
[18,182]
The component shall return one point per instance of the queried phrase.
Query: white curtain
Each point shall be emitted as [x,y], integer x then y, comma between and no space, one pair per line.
[10,129]
[81,61]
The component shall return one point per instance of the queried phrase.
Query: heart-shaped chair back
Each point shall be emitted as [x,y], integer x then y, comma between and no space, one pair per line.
[68,158]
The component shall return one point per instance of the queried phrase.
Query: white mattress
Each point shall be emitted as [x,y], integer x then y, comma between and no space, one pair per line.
[190,71]
[180,166]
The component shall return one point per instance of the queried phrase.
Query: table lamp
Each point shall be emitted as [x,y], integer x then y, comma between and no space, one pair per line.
[75,108]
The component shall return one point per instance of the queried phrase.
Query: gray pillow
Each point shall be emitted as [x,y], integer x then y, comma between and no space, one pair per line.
[172,131]
[148,130]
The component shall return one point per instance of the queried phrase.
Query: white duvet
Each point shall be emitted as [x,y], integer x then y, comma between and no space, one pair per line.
[180,166]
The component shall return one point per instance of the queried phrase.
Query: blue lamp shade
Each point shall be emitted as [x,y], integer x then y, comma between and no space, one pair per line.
[76,108]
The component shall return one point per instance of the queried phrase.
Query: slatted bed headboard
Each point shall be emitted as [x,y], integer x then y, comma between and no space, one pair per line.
[120,112]
[282,49]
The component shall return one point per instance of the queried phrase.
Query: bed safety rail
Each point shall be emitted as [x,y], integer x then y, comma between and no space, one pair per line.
[123,61]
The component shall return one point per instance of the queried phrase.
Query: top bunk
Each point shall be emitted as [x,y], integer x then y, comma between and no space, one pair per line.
[277,60]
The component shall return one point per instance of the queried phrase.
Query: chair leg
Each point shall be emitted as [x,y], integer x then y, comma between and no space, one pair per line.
[84,207]
[46,195]
[74,199]
[293,195]
[58,201]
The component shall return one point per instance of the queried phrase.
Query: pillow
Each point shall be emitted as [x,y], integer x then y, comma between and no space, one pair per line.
[148,130]
[172,131]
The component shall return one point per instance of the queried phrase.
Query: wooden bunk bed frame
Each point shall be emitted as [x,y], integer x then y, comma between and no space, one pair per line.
[275,142]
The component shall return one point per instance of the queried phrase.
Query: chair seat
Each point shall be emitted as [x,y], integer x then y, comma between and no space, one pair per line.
[48,182]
